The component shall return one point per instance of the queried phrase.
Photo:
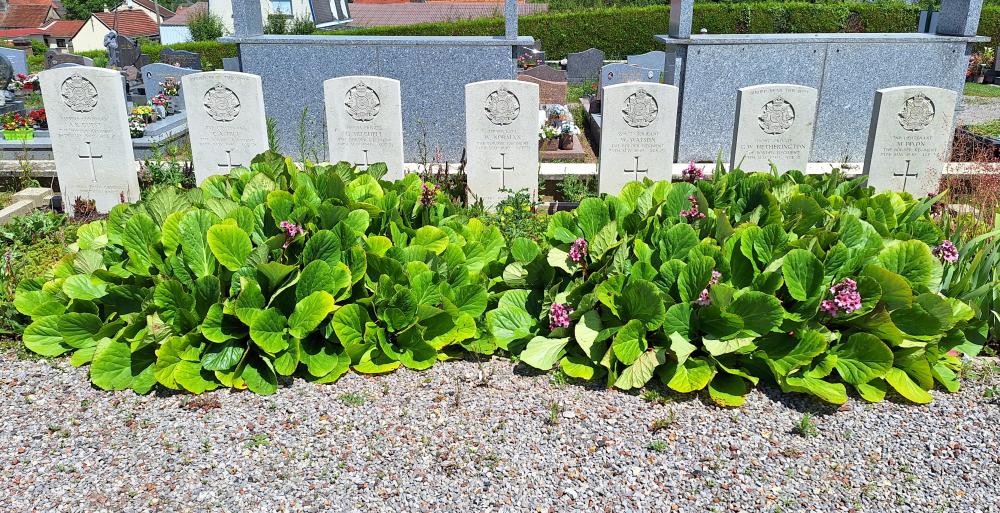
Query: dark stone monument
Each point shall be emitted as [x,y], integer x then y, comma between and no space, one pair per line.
[181,58]
[584,66]
[545,72]
[123,51]
[54,57]
[6,73]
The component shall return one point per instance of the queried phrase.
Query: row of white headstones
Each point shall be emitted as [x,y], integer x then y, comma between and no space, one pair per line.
[227,128]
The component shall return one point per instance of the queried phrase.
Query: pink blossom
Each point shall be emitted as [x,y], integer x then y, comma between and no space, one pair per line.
[559,316]
[703,298]
[946,251]
[292,230]
[427,193]
[692,173]
[578,251]
[693,214]
[846,298]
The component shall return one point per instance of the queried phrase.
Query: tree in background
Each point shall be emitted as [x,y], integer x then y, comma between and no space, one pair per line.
[205,26]
[82,9]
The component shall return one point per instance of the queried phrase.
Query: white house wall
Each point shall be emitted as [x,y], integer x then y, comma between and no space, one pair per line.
[170,34]
[224,10]
[91,36]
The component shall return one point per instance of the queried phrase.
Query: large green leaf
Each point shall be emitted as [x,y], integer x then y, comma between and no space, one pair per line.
[349,324]
[760,312]
[116,367]
[81,286]
[862,358]
[193,229]
[803,274]
[912,260]
[630,342]
[640,372]
[543,353]
[641,301]
[44,337]
[268,331]
[907,387]
[230,245]
[727,390]
[693,374]
[309,312]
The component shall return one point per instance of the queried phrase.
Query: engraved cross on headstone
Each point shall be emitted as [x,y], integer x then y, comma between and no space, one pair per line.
[635,170]
[905,174]
[228,164]
[90,156]
[502,169]
[366,164]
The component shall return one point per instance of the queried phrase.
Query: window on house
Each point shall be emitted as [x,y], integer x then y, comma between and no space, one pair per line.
[282,6]
[61,43]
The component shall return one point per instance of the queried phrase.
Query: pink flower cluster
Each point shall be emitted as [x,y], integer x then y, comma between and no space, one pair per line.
[846,298]
[559,316]
[292,230]
[693,214]
[692,173]
[946,251]
[578,250]
[704,299]
[427,193]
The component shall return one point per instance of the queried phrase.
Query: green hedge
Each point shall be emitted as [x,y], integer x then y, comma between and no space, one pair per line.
[211,52]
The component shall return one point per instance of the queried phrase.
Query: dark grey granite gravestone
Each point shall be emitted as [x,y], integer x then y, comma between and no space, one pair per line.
[17,59]
[545,72]
[6,73]
[54,58]
[129,53]
[584,66]
[181,58]
[231,63]
[650,60]
[155,74]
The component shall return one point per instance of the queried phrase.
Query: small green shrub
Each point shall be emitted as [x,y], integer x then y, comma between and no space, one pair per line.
[302,25]
[205,26]
[576,188]
[276,24]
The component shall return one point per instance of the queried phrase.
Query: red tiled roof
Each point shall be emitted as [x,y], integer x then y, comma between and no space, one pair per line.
[129,23]
[148,4]
[21,32]
[185,12]
[24,16]
[63,28]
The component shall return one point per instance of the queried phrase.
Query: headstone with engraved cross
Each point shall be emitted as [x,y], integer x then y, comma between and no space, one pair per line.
[88,125]
[225,116]
[501,139]
[637,139]
[909,137]
[364,122]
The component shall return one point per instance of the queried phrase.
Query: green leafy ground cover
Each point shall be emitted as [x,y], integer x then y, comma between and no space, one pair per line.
[989,129]
[719,284]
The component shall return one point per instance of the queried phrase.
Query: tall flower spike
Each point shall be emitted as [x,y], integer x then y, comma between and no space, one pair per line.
[578,251]
[946,251]
[559,316]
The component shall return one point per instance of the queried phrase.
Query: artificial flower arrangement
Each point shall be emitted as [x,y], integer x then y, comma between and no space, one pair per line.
[136,126]
[161,103]
[23,82]
[527,60]
[548,137]
[16,127]
[38,119]
[145,112]
[170,86]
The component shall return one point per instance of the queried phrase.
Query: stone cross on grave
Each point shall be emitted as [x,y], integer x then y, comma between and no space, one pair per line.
[366,164]
[228,164]
[905,174]
[635,171]
[503,170]
[90,156]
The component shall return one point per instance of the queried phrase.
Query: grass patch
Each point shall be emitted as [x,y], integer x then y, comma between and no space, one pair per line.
[986,90]
[989,129]
[5,198]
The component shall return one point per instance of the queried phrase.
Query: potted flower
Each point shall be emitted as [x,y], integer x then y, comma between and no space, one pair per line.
[145,112]
[38,119]
[548,138]
[136,126]
[171,87]
[566,132]
[161,103]
[16,127]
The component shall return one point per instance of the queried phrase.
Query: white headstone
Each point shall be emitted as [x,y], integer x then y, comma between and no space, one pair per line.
[501,138]
[225,117]
[364,122]
[88,125]
[638,134]
[774,123]
[909,138]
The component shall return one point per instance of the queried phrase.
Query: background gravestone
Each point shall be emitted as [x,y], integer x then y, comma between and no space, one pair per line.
[651,60]
[231,63]
[225,119]
[637,136]
[909,138]
[545,72]
[364,122]
[126,52]
[181,58]
[584,66]
[533,51]
[774,122]
[620,73]
[154,74]
[91,146]
[18,59]
[6,73]
[501,139]
[549,93]
[54,58]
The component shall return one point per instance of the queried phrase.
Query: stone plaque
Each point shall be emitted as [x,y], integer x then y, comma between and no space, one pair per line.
[545,72]
[774,123]
[549,93]
[225,116]
[909,138]
[638,133]
[649,60]
[18,59]
[584,66]
[501,139]
[155,74]
[181,58]
[53,58]
[88,125]
[364,122]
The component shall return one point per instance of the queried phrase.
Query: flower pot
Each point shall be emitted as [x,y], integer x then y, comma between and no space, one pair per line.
[566,141]
[19,135]
[548,144]
[160,110]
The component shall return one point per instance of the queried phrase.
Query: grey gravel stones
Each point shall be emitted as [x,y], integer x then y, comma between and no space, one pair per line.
[480,437]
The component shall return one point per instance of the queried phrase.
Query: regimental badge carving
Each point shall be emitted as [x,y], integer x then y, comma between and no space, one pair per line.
[502,107]
[776,116]
[78,93]
[917,113]
[640,109]
[221,103]
[362,102]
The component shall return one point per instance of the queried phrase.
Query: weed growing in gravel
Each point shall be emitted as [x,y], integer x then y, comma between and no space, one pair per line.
[353,399]
[664,422]
[657,445]
[258,440]
[559,378]
[654,396]
[554,410]
[805,427]
[992,394]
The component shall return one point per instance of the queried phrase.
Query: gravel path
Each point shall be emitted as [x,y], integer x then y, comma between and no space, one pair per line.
[978,109]
[471,438]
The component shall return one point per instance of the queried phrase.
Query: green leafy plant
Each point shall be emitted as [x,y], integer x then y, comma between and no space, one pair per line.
[576,188]
[205,26]
[165,168]
[516,217]
[30,227]
[805,427]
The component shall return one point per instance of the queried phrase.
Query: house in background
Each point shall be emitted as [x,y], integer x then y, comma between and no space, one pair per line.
[132,23]
[152,8]
[324,13]
[25,18]
[175,29]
